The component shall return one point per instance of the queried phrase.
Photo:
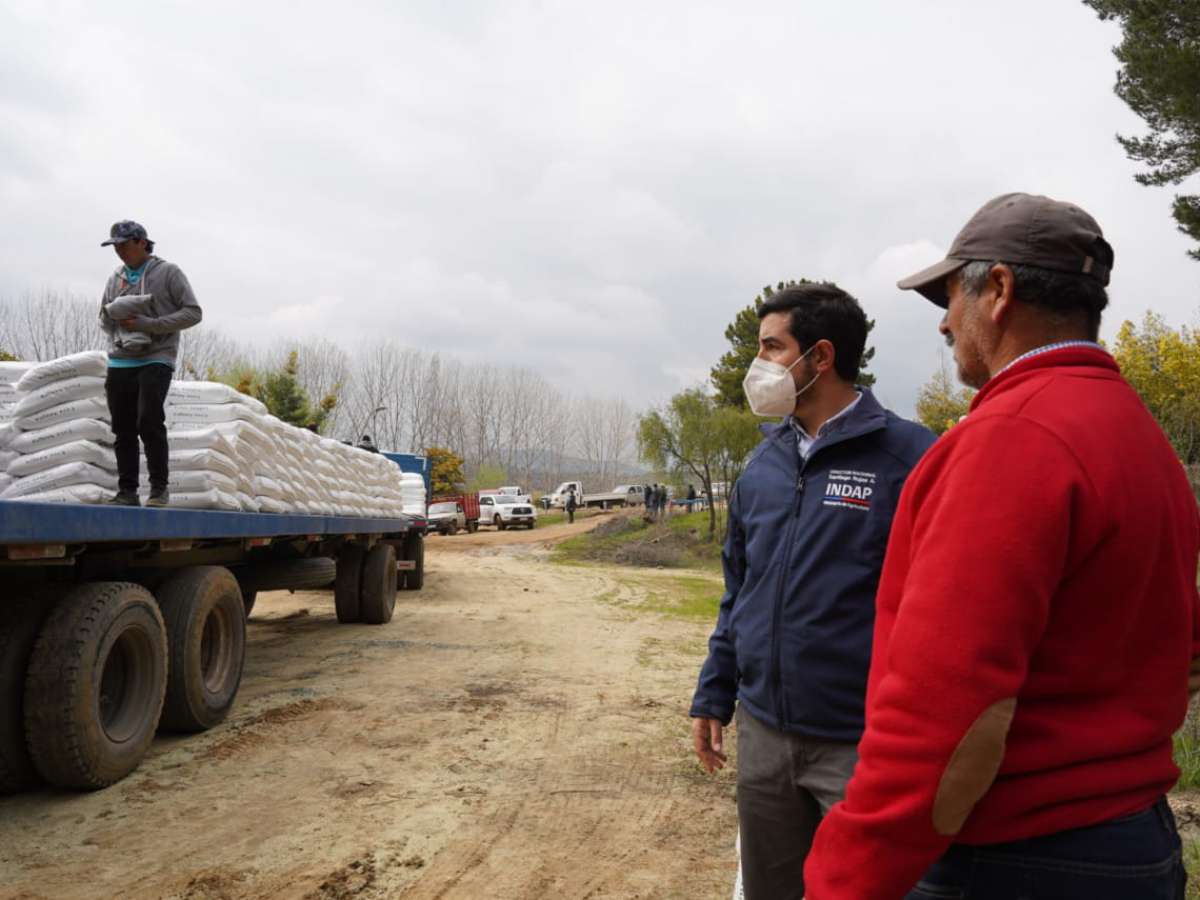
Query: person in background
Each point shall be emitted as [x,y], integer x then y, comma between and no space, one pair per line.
[143,347]
[648,495]
[691,496]
[808,524]
[365,443]
[570,505]
[1038,612]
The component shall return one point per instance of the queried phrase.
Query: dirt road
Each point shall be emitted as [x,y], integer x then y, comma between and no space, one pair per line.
[517,731]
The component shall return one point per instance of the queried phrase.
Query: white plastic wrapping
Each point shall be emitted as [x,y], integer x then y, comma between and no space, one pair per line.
[91,362]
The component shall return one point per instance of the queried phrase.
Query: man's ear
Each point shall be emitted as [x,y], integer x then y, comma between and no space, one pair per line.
[824,355]
[1000,290]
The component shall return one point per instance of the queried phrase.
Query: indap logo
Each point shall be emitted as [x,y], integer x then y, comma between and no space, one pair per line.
[849,489]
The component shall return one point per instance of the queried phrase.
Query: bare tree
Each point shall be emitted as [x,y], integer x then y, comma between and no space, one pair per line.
[49,324]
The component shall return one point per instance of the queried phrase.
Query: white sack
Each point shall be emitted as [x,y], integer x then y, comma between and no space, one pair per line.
[5,481]
[7,433]
[195,415]
[64,390]
[62,433]
[11,372]
[198,481]
[60,477]
[76,451]
[203,393]
[91,408]
[200,439]
[76,493]
[213,499]
[7,458]
[92,362]
[212,460]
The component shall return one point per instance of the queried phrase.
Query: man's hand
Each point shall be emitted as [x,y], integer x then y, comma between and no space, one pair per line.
[133,324]
[710,746]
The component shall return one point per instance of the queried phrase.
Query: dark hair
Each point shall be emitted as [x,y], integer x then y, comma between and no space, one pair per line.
[824,312]
[149,246]
[1061,294]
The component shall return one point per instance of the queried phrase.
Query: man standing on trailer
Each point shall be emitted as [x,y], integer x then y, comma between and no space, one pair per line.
[156,303]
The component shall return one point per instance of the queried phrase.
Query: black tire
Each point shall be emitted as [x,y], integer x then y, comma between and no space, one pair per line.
[248,600]
[533,525]
[453,529]
[95,686]
[472,527]
[414,550]
[347,586]
[289,575]
[205,619]
[499,523]
[21,619]
[379,585]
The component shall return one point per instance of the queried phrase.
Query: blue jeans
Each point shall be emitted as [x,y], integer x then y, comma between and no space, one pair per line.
[1137,857]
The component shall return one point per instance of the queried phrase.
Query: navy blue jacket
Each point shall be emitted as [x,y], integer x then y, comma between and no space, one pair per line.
[802,559]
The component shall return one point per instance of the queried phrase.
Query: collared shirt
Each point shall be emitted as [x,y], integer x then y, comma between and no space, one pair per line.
[805,441]
[1038,351]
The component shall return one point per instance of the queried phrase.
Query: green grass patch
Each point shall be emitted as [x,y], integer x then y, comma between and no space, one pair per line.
[681,542]
[685,597]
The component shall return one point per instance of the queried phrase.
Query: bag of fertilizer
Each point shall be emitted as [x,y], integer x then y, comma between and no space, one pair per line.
[201,439]
[207,393]
[212,460]
[198,481]
[62,391]
[248,503]
[12,372]
[63,433]
[91,408]
[7,458]
[7,434]
[198,415]
[76,493]
[60,477]
[271,505]
[211,499]
[246,431]
[76,451]
[9,393]
[92,362]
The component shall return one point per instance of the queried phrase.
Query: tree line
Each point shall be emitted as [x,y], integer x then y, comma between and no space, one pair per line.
[504,420]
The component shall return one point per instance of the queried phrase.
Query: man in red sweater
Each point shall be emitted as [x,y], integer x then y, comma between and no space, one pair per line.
[1037,613]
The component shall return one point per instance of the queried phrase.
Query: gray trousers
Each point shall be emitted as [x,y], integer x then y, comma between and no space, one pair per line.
[785,785]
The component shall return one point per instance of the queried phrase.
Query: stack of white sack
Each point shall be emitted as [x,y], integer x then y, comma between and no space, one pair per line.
[10,374]
[277,468]
[412,494]
[57,447]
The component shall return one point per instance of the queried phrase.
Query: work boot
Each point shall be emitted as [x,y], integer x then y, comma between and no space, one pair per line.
[124,498]
[161,497]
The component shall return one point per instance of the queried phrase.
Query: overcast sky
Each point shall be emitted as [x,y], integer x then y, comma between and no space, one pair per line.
[591,190]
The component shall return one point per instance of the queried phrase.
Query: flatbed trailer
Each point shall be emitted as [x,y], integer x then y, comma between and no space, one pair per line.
[116,622]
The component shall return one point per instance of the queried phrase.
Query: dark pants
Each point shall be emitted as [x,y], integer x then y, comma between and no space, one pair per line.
[571,515]
[785,785]
[135,402]
[1134,857]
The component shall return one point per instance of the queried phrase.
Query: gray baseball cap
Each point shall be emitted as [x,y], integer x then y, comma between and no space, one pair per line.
[1021,229]
[125,230]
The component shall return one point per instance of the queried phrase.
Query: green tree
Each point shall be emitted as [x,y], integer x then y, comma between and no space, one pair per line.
[1160,81]
[1163,365]
[941,403]
[445,471]
[696,439]
[488,476]
[281,392]
[742,333]
[5,356]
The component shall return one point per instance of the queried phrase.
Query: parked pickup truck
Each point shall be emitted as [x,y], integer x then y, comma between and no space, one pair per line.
[621,495]
[449,515]
[116,622]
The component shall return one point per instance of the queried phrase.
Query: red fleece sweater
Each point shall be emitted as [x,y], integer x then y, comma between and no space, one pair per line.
[1044,549]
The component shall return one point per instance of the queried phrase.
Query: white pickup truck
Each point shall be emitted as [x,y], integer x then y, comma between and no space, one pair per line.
[621,495]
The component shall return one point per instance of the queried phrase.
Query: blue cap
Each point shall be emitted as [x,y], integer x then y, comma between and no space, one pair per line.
[126,230]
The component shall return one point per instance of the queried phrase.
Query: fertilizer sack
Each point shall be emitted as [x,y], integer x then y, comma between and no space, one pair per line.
[91,408]
[60,477]
[63,433]
[92,362]
[76,493]
[76,451]
[64,390]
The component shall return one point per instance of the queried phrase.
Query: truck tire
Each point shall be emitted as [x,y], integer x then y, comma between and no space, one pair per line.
[499,523]
[248,600]
[347,586]
[289,575]
[472,527]
[205,619]
[20,621]
[379,585]
[95,686]
[452,530]
[414,550]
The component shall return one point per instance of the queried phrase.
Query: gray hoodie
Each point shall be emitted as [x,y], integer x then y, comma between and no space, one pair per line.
[173,308]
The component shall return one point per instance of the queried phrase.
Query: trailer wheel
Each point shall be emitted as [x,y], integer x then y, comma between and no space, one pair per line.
[205,619]
[20,622]
[347,586]
[414,549]
[379,585]
[473,527]
[248,600]
[95,685]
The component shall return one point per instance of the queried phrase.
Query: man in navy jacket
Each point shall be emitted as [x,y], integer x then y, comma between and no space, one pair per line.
[808,527]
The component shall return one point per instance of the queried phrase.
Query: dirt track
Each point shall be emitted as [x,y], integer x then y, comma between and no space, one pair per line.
[516,732]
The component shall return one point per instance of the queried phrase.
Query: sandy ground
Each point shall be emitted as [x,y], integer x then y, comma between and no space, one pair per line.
[517,731]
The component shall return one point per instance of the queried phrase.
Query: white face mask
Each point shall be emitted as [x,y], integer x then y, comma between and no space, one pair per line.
[770,389]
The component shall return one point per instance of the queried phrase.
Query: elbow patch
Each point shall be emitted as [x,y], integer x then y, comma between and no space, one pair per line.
[972,767]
